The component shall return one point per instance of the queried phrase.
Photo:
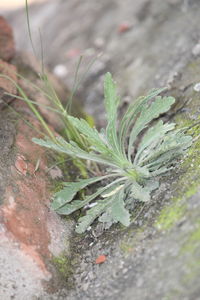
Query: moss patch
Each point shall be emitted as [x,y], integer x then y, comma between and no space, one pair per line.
[191,253]
[187,185]
[170,215]
[193,241]
[127,244]
[63,265]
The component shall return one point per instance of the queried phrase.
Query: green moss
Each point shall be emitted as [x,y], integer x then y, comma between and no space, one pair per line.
[127,247]
[57,186]
[193,241]
[89,119]
[188,182]
[190,251]
[193,271]
[80,165]
[63,265]
[170,215]
[173,294]
[191,191]
[132,238]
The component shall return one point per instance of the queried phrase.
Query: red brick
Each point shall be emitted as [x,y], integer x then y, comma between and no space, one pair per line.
[8,79]
[7,45]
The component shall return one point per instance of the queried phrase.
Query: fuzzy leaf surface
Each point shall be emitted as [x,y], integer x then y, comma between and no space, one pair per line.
[130,115]
[149,113]
[134,178]
[151,139]
[111,105]
[70,189]
[93,213]
[118,211]
[92,134]
[69,208]
[172,146]
[139,193]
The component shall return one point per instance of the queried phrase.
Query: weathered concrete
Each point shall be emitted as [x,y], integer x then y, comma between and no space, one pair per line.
[31,234]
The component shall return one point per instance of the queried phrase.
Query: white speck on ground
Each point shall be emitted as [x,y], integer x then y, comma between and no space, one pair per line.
[196,50]
[197,87]
[60,71]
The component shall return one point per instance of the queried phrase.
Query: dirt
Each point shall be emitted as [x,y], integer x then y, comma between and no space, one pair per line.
[7,135]
[7,45]
[157,257]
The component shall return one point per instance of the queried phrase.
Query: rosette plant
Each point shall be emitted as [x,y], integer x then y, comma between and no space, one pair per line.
[135,151]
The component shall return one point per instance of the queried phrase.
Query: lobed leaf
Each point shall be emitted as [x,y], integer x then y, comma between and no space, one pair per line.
[70,189]
[130,115]
[133,179]
[118,211]
[148,113]
[140,193]
[92,134]
[69,208]
[172,146]
[151,139]
[52,145]
[94,212]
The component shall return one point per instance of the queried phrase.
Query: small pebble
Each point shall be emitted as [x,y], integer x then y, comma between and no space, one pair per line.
[55,173]
[124,27]
[74,52]
[196,50]
[60,71]
[21,165]
[89,52]
[85,286]
[100,259]
[99,42]
[197,87]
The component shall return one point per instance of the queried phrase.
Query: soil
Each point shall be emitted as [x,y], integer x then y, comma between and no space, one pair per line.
[7,136]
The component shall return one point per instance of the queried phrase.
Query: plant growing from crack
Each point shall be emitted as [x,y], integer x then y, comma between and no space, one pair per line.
[132,172]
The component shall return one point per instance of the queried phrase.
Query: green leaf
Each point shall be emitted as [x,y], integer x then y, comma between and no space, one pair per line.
[85,221]
[148,113]
[161,170]
[118,211]
[130,115]
[151,139]
[69,208]
[111,207]
[151,185]
[66,195]
[159,147]
[111,98]
[106,218]
[92,134]
[172,146]
[111,105]
[139,193]
[54,146]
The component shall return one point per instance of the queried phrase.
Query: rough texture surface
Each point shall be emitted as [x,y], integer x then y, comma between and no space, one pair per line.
[7,45]
[162,38]
[158,256]
[7,86]
[31,234]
